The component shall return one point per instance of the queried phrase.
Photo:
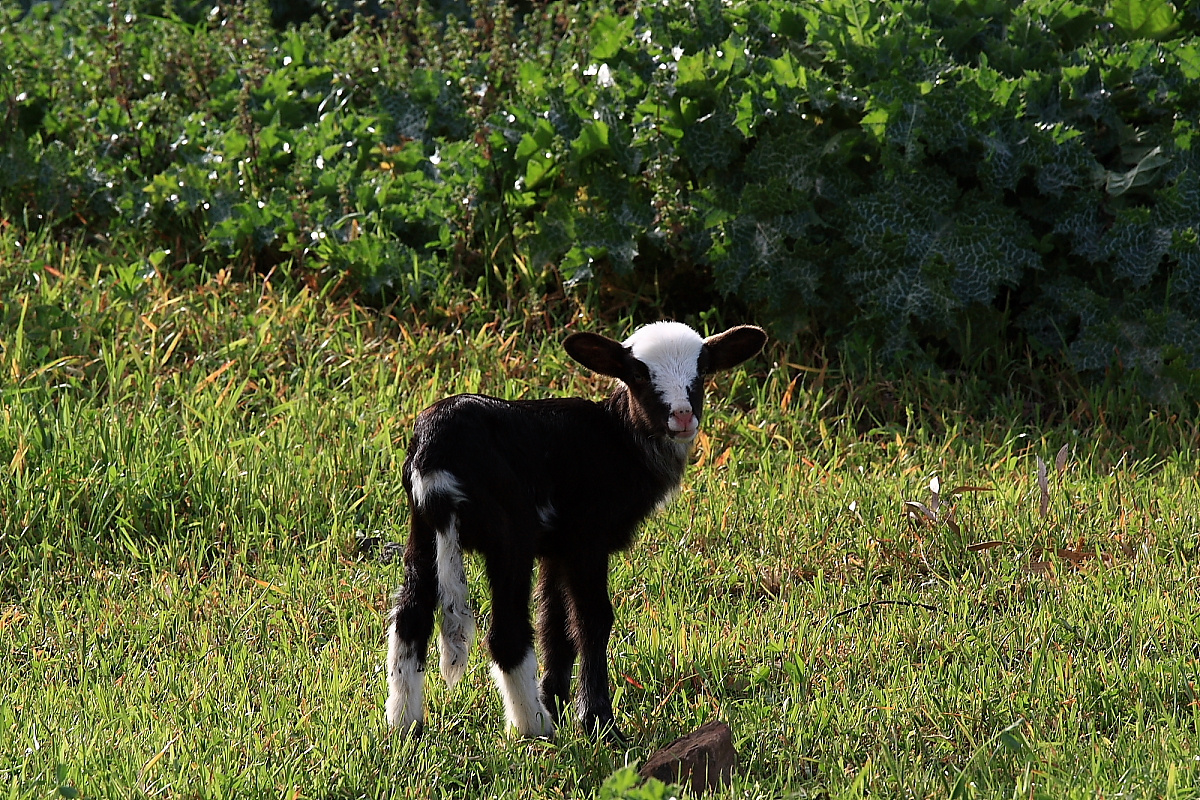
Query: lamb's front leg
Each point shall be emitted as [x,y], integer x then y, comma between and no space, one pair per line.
[510,640]
[554,636]
[592,614]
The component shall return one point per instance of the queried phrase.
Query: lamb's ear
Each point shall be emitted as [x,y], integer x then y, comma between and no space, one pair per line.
[599,354]
[728,349]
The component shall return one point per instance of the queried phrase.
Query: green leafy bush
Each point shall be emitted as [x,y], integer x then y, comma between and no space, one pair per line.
[903,177]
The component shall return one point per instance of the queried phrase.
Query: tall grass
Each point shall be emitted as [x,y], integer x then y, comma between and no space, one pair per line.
[201,500]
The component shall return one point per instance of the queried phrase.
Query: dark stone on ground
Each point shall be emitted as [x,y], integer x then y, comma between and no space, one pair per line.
[703,759]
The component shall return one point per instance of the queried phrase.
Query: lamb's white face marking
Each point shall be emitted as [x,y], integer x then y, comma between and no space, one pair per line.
[522,706]
[671,351]
[437,481]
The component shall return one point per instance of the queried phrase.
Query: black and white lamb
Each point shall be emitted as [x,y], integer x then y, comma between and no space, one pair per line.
[564,481]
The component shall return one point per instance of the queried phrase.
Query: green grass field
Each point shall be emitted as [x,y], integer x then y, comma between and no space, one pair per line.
[199,486]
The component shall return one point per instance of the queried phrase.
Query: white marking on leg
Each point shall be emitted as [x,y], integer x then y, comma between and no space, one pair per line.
[406,689]
[522,706]
[437,481]
[458,622]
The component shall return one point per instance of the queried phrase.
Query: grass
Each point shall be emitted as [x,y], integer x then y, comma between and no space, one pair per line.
[200,485]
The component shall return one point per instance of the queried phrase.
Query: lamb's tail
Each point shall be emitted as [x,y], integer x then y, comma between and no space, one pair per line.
[458,621]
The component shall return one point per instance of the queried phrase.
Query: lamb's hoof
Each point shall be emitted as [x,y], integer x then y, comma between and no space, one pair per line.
[614,735]
[536,731]
[537,724]
[604,727]
[554,703]
[412,731]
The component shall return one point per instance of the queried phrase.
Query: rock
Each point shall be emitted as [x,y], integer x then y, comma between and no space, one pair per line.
[703,759]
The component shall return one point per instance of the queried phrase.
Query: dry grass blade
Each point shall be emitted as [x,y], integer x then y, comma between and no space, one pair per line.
[1078,556]
[1060,461]
[979,547]
[1044,485]
[1074,556]
[876,603]
[918,506]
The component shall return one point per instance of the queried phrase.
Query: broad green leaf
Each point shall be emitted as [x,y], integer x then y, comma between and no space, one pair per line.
[268,137]
[1118,183]
[592,138]
[1000,86]
[787,72]
[746,118]
[1188,58]
[857,14]
[539,139]
[1144,19]
[1136,246]
[790,24]
[294,47]
[532,78]
[539,167]
[610,35]
[235,144]
[876,121]
[692,74]
[526,147]
[1184,133]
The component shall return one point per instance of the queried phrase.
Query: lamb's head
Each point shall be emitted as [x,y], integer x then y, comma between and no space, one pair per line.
[664,366]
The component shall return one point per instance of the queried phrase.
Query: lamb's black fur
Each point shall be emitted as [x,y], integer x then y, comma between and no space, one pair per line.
[565,482]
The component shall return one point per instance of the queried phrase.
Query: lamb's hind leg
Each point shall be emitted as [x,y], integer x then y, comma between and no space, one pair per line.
[409,627]
[510,640]
[592,614]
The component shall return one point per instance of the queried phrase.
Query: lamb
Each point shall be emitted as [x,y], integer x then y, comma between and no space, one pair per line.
[565,482]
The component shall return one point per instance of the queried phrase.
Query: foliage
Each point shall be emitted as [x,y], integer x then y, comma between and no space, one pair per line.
[626,784]
[908,178]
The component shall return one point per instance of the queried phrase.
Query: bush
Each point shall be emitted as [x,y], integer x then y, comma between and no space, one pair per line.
[921,179]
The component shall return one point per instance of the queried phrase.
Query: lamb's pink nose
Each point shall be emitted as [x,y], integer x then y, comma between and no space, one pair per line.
[683,419]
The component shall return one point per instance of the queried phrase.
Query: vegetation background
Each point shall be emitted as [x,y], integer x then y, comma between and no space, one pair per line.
[940,540]
[940,184]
